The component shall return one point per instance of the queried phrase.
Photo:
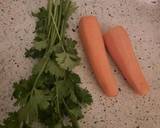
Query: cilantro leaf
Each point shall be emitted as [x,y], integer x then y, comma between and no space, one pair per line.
[83,95]
[54,69]
[62,89]
[34,53]
[13,122]
[58,48]
[37,68]
[41,13]
[76,112]
[39,100]
[70,46]
[42,99]
[59,125]
[73,97]
[67,61]
[42,20]
[40,37]
[74,77]
[21,91]
[40,45]
[71,10]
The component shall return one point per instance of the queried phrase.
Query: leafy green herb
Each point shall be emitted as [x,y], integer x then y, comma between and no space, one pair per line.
[40,45]
[52,93]
[67,61]
[54,69]
[12,122]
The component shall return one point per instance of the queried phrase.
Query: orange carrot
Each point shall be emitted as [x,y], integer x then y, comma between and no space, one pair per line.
[93,43]
[119,46]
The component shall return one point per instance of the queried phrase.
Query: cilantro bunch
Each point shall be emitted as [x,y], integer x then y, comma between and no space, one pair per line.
[52,94]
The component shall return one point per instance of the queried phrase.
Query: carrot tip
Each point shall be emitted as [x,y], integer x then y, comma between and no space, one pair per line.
[144,92]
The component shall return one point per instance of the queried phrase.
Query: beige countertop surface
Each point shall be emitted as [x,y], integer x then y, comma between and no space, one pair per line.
[142,20]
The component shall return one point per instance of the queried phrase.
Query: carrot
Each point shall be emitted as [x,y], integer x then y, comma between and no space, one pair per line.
[93,43]
[119,46]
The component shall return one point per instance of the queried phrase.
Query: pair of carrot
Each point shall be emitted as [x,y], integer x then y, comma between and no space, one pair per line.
[119,46]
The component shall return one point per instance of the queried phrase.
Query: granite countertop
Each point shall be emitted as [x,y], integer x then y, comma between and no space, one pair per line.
[142,20]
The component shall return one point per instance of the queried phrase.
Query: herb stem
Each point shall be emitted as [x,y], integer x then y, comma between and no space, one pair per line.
[56,28]
[73,119]
[50,6]
[57,102]
[64,19]
[39,74]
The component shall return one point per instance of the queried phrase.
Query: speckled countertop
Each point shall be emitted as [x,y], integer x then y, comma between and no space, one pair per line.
[142,20]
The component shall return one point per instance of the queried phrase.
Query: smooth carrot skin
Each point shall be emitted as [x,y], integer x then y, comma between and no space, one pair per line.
[119,46]
[92,40]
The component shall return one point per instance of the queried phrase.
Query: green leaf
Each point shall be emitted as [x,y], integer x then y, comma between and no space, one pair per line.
[42,99]
[63,89]
[76,112]
[40,37]
[40,45]
[59,125]
[35,54]
[41,13]
[67,61]
[11,121]
[70,46]
[54,69]
[71,10]
[39,100]
[58,48]
[83,95]
[73,97]
[42,17]
[67,127]
[21,91]
[28,113]
[74,78]
[48,81]
[48,117]
[38,67]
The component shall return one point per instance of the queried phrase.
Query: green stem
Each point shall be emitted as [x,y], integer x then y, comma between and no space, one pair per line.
[50,6]
[57,31]
[57,102]
[64,22]
[39,74]
[62,28]
[74,123]
[73,119]
[49,33]
[59,17]
[56,28]
[54,35]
